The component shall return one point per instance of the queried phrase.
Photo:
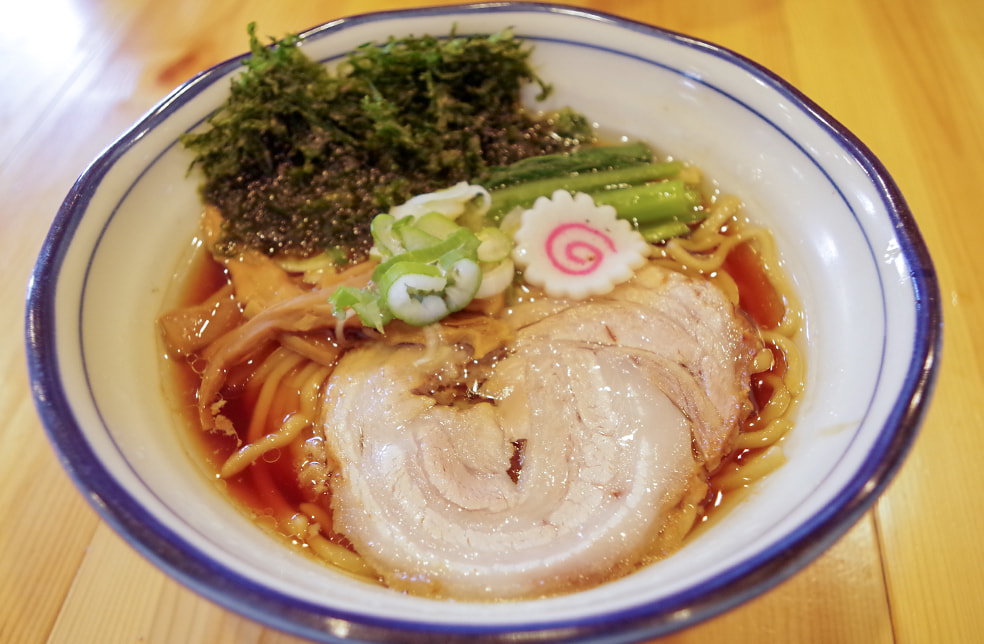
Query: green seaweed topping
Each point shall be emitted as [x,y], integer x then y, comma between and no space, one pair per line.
[299,158]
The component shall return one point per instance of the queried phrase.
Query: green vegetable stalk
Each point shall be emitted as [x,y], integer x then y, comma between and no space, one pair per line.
[524,194]
[588,159]
[648,193]
[650,203]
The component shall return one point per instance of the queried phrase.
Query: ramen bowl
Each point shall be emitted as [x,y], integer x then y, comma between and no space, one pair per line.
[845,235]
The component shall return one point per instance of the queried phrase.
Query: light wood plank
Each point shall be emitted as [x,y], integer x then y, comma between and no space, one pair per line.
[45,527]
[159,610]
[113,576]
[932,517]
[905,76]
[840,598]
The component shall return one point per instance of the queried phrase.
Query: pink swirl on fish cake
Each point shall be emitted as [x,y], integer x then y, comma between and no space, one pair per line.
[587,255]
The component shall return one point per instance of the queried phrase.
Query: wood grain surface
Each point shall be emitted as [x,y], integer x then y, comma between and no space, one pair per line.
[907,77]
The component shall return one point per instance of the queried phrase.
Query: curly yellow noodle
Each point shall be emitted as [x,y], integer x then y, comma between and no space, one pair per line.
[317,513]
[703,263]
[284,361]
[311,382]
[272,362]
[341,557]
[795,378]
[727,286]
[703,253]
[305,387]
[309,531]
[311,392]
[708,234]
[735,476]
[765,437]
[764,361]
[268,376]
[779,401]
[792,322]
[298,390]
[247,455]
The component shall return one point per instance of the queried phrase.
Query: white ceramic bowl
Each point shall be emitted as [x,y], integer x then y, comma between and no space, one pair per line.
[848,240]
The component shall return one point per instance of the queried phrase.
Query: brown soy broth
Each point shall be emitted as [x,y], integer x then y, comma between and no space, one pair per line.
[270,484]
[763,303]
[757,296]
[264,489]
[204,277]
[270,491]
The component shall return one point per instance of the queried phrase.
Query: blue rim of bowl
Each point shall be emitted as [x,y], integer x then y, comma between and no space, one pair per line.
[728,589]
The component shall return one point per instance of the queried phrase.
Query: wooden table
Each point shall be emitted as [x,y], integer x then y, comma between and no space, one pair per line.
[906,76]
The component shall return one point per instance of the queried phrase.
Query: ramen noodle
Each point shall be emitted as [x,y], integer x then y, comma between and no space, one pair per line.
[297,408]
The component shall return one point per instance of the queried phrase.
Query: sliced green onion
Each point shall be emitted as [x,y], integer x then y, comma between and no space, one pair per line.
[363,302]
[430,266]
[416,239]
[400,268]
[464,278]
[414,292]
[494,246]
[436,224]
[496,278]
[462,240]
[414,309]
[386,241]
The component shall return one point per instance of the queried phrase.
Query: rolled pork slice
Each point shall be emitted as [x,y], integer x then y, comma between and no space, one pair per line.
[562,467]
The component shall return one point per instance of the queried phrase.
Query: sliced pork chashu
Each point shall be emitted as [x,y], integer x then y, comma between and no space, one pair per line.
[571,456]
